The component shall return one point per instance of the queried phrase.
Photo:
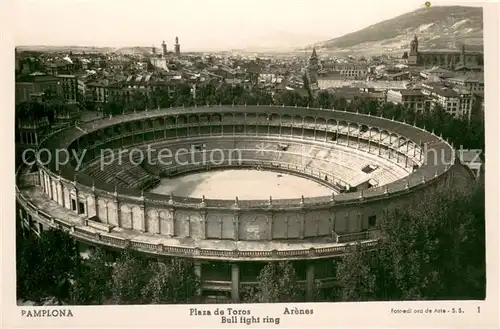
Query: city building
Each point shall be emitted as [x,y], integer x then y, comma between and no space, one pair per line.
[35,84]
[98,92]
[456,101]
[69,88]
[448,58]
[474,83]
[409,98]
[346,71]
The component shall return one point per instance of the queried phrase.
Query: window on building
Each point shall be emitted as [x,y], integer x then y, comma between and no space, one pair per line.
[73,204]
[81,208]
[372,221]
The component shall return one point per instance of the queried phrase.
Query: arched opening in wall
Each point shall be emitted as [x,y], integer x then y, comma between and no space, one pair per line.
[353,128]
[331,123]
[216,118]
[108,132]
[321,122]
[363,129]
[261,118]
[204,118]
[324,268]
[181,120]
[300,267]
[274,118]
[239,118]
[374,134]
[170,121]
[148,124]
[249,271]
[298,120]
[251,119]
[309,120]
[227,118]
[158,122]
[393,138]
[286,119]
[216,271]
[342,127]
[193,119]
[402,142]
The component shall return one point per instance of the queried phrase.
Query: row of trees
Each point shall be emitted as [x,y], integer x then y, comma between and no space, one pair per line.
[52,267]
[432,251]
[458,130]
[184,94]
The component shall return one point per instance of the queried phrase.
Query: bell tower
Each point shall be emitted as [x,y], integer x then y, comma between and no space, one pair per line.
[313,67]
[164,49]
[413,55]
[177,47]
[462,54]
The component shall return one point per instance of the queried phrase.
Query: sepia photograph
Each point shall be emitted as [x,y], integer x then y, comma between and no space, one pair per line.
[252,163]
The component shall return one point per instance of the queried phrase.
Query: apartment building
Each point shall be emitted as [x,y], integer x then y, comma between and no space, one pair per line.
[409,98]
[472,83]
[69,88]
[29,85]
[456,101]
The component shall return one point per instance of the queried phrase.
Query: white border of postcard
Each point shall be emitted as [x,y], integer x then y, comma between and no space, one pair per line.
[341,315]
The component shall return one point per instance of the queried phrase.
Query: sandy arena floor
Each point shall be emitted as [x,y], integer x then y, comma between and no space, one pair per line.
[245,184]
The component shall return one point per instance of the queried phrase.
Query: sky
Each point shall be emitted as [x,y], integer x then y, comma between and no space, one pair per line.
[199,24]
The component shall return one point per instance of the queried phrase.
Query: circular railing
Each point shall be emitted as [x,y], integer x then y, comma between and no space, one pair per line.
[425,174]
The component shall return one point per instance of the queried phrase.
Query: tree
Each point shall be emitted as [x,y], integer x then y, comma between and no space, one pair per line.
[435,250]
[171,281]
[128,278]
[356,276]
[278,283]
[46,266]
[91,286]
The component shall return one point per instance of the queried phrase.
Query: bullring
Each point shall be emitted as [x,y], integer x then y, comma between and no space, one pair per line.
[384,165]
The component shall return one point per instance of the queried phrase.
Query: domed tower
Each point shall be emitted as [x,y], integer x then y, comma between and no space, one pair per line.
[413,55]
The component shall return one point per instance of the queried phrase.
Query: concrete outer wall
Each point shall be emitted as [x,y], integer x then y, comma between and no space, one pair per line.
[181,221]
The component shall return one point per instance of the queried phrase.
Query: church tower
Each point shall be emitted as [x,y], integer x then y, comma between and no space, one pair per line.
[462,55]
[177,47]
[413,55]
[153,50]
[313,67]
[164,49]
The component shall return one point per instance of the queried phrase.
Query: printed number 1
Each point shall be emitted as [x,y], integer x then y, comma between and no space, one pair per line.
[479,309]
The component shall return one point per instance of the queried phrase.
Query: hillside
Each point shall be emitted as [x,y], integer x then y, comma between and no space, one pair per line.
[436,27]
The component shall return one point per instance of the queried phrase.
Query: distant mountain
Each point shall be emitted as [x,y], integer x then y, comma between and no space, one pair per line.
[135,50]
[436,28]
[57,49]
